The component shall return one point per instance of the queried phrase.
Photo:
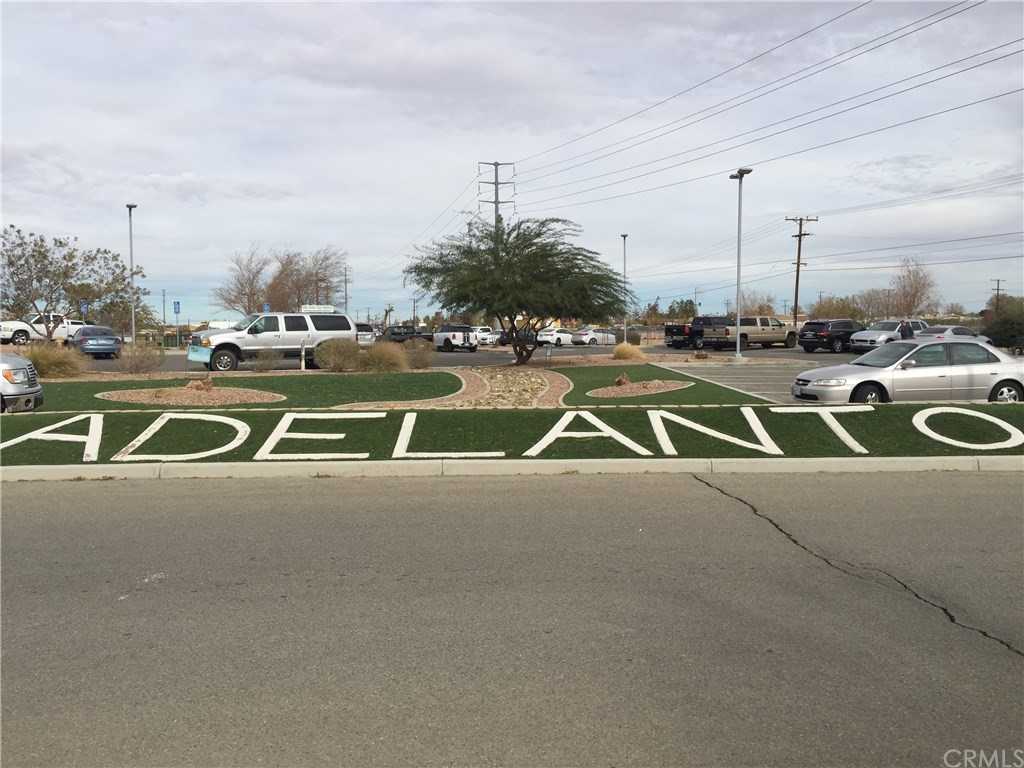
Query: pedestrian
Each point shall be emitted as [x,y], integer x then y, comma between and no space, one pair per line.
[906,332]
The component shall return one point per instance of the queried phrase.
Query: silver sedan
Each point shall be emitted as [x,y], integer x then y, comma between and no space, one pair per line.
[917,369]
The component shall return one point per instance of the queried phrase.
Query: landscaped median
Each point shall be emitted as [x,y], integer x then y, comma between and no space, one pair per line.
[765,431]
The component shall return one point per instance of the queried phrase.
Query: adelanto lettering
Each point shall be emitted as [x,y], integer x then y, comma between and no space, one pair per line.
[562,430]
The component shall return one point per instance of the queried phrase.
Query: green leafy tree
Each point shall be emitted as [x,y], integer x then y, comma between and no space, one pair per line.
[682,309]
[522,275]
[52,276]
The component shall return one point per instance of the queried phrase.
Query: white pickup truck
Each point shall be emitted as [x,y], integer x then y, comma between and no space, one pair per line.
[448,338]
[34,329]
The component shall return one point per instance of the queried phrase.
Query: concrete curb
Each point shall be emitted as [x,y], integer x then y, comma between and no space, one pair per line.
[495,467]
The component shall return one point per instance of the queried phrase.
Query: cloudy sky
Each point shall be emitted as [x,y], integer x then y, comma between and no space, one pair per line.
[296,126]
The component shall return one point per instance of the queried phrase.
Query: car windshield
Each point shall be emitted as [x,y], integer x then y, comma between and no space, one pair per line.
[933,330]
[888,325]
[95,330]
[244,323]
[885,356]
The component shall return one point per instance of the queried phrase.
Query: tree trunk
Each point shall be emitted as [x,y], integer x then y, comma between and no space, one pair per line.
[523,352]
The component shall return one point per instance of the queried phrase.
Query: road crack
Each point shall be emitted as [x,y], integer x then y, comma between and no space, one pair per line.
[839,565]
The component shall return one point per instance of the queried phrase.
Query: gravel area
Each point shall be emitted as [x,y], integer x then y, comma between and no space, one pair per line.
[178,396]
[637,388]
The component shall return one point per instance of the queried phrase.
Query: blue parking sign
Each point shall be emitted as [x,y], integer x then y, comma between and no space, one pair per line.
[177,307]
[83,307]
[266,307]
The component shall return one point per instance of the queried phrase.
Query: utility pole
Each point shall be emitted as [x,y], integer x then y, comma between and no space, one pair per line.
[387,313]
[997,290]
[497,202]
[414,323]
[625,315]
[785,307]
[131,263]
[800,235]
[345,279]
[821,294]
[738,177]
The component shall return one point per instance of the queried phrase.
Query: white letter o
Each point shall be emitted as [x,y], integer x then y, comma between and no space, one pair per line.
[921,424]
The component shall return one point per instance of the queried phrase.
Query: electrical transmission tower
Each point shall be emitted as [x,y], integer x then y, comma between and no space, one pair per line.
[800,235]
[497,202]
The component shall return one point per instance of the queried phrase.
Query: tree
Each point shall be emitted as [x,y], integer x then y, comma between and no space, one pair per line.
[755,303]
[837,306]
[245,289]
[1007,305]
[521,274]
[874,303]
[52,277]
[955,309]
[682,309]
[913,290]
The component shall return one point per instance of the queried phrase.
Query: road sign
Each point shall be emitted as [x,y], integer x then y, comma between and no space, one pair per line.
[266,307]
[83,307]
[177,307]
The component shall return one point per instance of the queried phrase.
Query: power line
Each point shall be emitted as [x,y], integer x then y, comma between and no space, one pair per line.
[691,88]
[921,263]
[784,120]
[773,82]
[785,155]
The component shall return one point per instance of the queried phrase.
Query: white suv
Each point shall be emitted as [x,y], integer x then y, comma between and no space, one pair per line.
[286,333]
[448,338]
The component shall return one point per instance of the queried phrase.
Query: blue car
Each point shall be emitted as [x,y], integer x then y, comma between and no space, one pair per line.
[97,341]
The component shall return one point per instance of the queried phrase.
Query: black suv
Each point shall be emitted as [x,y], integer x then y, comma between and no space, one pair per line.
[402,333]
[833,335]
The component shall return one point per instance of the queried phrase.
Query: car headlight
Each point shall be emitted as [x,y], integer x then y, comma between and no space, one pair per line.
[16,375]
[828,382]
[204,343]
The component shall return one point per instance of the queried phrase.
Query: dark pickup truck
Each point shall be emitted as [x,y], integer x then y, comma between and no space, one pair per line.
[679,335]
[402,333]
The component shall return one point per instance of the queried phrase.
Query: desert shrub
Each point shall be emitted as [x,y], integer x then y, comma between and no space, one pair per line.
[338,355]
[628,352]
[267,360]
[386,356]
[140,358]
[54,361]
[420,353]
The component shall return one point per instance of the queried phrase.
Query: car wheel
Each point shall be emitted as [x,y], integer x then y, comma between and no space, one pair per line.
[20,337]
[867,393]
[837,345]
[558,342]
[698,343]
[224,360]
[807,347]
[472,349]
[790,340]
[593,342]
[1006,392]
[447,345]
[743,342]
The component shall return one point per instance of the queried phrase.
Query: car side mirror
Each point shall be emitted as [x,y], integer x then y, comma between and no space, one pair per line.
[253,330]
[908,364]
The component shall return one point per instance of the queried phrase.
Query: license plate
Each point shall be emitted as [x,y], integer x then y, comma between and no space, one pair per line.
[199,354]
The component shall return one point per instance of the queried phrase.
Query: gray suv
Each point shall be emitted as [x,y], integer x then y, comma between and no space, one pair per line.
[286,333]
[20,389]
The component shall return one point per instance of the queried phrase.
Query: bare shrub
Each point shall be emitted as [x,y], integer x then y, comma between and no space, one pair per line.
[628,352]
[54,361]
[140,358]
[267,360]
[338,355]
[386,356]
[420,353]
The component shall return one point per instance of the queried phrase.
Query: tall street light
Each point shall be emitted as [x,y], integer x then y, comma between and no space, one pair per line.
[625,316]
[131,266]
[740,173]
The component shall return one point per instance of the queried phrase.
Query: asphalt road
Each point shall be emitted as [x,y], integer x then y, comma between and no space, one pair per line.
[177,361]
[649,620]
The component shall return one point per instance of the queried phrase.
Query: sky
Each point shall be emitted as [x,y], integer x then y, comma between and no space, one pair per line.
[295,126]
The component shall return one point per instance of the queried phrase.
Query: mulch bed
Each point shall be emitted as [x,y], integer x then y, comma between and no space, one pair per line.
[183,396]
[637,388]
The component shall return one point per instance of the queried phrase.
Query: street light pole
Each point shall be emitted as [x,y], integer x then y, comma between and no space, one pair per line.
[131,266]
[740,173]
[625,316]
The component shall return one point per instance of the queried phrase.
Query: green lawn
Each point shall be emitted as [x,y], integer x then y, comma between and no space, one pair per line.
[585,379]
[887,431]
[312,391]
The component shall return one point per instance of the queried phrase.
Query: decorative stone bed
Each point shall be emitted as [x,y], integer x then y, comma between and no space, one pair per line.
[185,396]
[638,388]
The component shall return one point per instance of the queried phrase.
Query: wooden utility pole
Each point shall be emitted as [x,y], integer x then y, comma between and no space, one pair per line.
[997,291]
[800,235]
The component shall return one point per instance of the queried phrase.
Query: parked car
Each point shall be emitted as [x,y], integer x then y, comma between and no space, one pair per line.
[96,341]
[448,338]
[833,335]
[20,389]
[556,336]
[525,337]
[593,336]
[365,335]
[952,332]
[485,335]
[917,369]
[765,331]
[33,328]
[285,332]
[403,333]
